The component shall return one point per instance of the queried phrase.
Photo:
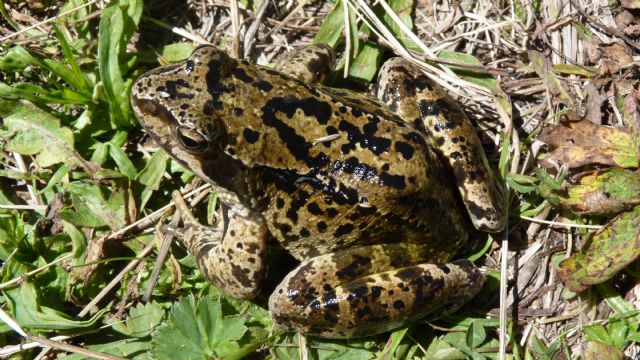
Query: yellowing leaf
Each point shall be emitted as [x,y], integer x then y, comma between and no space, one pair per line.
[603,193]
[609,251]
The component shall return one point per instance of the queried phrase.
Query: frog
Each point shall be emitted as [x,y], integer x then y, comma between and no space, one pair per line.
[373,195]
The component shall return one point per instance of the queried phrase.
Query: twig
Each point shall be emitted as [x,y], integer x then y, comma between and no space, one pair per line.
[567,225]
[116,279]
[21,278]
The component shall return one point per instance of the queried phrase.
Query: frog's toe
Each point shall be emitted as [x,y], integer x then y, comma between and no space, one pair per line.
[312,300]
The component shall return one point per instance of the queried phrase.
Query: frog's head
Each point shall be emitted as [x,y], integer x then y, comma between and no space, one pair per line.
[179,106]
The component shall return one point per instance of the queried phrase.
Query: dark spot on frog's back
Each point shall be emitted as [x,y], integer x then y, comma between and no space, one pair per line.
[289,105]
[319,110]
[298,201]
[213,78]
[241,75]
[264,85]
[250,135]
[405,149]
[375,144]
[314,209]
[342,230]
[353,166]
[396,181]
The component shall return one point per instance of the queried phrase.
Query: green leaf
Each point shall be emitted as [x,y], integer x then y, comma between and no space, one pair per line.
[332,27]
[404,10]
[519,183]
[125,166]
[117,23]
[142,320]
[603,193]
[543,68]
[538,345]
[618,331]
[168,53]
[392,346]
[365,65]
[152,174]
[597,332]
[197,330]
[55,178]
[127,348]
[16,59]
[618,304]
[30,131]
[91,209]
[41,96]
[476,335]
[31,313]
[79,81]
[570,69]
[78,241]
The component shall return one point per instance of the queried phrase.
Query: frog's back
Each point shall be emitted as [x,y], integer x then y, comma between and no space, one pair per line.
[337,169]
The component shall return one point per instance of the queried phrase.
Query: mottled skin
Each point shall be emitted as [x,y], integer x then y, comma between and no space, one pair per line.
[350,186]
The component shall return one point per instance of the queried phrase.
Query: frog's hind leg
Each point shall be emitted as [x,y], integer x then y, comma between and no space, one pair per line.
[233,258]
[311,64]
[369,290]
[418,100]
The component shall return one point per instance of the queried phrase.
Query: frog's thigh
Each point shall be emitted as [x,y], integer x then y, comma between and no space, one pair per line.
[424,104]
[311,64]
[358,292]
[235,261]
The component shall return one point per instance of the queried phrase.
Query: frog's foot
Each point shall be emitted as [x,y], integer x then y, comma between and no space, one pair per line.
[427,107]
[232,257]
[354,293]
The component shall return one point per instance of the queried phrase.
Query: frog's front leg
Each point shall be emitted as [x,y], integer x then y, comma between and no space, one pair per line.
[234,258]
[369,290]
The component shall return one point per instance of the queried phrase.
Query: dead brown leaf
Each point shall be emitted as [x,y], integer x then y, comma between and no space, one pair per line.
[615,55]
[630,4]
[579,143]
[624,19]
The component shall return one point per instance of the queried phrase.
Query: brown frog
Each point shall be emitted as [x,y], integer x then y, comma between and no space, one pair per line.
[369,195]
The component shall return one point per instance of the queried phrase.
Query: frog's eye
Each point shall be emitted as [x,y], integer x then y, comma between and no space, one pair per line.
[191,140]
